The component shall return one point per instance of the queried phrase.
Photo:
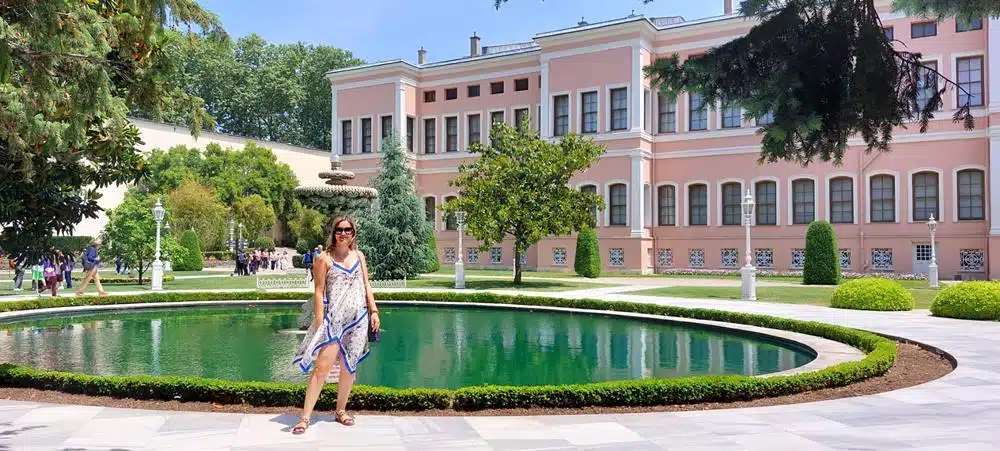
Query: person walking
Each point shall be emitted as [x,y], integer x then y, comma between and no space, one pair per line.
[91,263]
[51,274]
[345,320]
[307,261]
[67,269]
[18,264]
[37,284]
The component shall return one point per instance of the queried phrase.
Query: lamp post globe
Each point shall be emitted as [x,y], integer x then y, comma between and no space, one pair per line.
[748,276]
[459,264]
[932,269]
[157,282]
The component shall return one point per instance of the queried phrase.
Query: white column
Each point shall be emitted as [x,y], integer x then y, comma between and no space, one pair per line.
[546,115]
[994,179]
[993,60]
[334,123]
[636,201]
[638,110]
[399,117]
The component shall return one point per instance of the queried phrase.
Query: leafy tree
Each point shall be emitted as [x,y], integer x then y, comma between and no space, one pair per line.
[70,74]
[307,226]
[519,188]
[193,260]
[131,233]
[254,170]
[431,262]
[255,215]
[587,261]
[822,264]
[169,169]
[394,237]
[195,207]
[264,242]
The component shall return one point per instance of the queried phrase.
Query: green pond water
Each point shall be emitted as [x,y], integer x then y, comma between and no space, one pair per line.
[420,347]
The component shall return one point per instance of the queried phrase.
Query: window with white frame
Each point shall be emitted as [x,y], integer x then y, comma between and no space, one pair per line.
[521,118]
[927,85]
[975,23]
[430,135]
[666,197]
[923,29]
[450,220]
[589,119]
[667,112]
[386,126]
[971,204]
[883,198]
[366,135]
[698,112]
[409,133]
[970,81]
[619,109]
[803,201]
[766,208]
[451,134]
[841,200]
[346,141]
[560,112]
[430,211]
[496,117]
[732,208]
[732,115]
[925,196]
[618,194]
[698,204]
[474,129]
[592,189]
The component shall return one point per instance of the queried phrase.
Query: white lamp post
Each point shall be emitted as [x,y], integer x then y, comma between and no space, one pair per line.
[748,288]
[231,243]
[459,265]
[932,270]
[157,264]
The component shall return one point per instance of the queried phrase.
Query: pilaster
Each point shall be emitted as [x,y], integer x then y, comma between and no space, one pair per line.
[334,128]
[546,115]
[399,117]
[638,205]
[636,91]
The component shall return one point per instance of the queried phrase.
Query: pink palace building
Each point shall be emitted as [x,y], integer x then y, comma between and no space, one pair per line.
[675,173]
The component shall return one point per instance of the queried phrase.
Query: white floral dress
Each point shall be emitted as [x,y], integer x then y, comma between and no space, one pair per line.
[345,322]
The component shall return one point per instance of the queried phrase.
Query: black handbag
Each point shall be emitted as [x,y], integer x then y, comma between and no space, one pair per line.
[373,335]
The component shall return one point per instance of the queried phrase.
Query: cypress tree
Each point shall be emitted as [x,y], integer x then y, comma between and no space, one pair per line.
[588,254]
[822,265]
[193,260]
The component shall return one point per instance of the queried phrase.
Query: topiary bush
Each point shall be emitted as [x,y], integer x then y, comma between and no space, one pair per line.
[588,254]
[431,254]
[193,260]
[264,242]
[822,265]
[968,300]
[872,293]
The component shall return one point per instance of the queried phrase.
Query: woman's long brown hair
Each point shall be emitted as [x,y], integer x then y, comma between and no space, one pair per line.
[331,239]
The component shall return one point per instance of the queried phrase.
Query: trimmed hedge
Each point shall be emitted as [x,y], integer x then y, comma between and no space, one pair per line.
[122,280]
[587,262]
[881,354]
[872,294]
[822,260]
[968,300]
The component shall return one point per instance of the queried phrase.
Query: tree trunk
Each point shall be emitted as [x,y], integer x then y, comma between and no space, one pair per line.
[517,267]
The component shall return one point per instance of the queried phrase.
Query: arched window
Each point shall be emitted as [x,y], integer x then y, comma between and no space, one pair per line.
[766,208]
[618,195]
[925,196]
[971,189]
[666,198]
[430,212]
[698,204]
[803,201]
[732,209]
[841,200]
[450,222]
[883,198]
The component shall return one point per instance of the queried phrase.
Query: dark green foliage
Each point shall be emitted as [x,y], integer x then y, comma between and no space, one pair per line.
[193,260]
[881,355]
[431,261]
[822,265]
[393,234]
[119,280]
[218,255]
[264,242]
[588,254]
[297,262]
[69,244]
[969,300]
[872,293]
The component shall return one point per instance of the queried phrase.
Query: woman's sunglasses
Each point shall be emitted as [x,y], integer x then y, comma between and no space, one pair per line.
[344,230]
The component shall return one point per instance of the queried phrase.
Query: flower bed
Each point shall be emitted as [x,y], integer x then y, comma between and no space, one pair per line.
[881,354]
[789,273]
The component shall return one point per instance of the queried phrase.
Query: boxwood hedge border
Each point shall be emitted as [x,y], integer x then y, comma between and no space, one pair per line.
[880,356]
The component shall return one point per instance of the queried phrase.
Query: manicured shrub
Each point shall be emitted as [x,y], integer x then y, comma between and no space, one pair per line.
[264,242]
[588,254]
[297,262]
[431,254]
[303,246]
[969,300]
[881,354]
[193,260]
[822,264]
[872,294]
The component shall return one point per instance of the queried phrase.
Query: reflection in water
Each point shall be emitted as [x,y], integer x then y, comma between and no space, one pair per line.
[420,347]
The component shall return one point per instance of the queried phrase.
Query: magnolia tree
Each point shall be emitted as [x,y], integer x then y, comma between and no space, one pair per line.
[519,189]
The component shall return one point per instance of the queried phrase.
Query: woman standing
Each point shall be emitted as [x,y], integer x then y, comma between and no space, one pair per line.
[344,312]
[67,268]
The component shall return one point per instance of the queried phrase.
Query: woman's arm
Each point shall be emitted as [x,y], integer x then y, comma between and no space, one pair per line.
[320,267]
[370,296]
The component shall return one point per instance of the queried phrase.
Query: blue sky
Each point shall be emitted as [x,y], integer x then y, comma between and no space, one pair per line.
[377,30]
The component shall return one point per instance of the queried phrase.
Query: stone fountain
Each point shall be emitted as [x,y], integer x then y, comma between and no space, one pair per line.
[336,198]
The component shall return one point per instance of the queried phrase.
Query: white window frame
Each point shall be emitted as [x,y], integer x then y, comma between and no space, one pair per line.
[375,137]
[940,193]
[579,110]
[443,199]
[708,202]
[489,117]
[656,110]
[854,196]
[954,192]
[791,197]
[463,138]
[688,115]
[656,203]
[607,201]
[444,132]
[569,112]
[777,198]
[718,208]
[597,186]
[377,147]
[437,203]
[718,118]
[628,107]
[868,194]
[513,116]
[437,137]
[954,76]
[355,126]
[938,60]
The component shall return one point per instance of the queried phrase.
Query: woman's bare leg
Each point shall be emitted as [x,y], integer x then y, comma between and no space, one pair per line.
[321,368]
[344,387]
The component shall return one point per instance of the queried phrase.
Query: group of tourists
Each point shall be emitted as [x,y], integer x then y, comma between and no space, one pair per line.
[53,267]
[260,259]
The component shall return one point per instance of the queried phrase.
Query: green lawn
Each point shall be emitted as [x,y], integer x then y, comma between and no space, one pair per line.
[811,295]
[504,284]
[450,270]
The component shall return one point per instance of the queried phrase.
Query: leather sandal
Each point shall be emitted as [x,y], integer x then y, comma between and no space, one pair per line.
[301,426]
[343,418]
